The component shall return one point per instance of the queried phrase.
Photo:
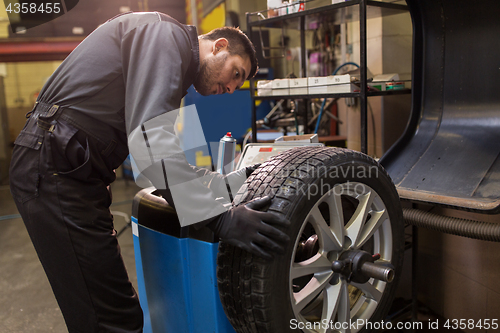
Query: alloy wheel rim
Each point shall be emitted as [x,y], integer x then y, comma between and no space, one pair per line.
[319,297]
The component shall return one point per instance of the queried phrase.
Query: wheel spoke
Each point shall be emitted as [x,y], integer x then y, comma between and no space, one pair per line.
[336,216]
[369,290]
[372,225]
[336,302]
[325,234]
[331,301]
[344,312]
[359,304]
[357,222]
[311,290]
[316,264]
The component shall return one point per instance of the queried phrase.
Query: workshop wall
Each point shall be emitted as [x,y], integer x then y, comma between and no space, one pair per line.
[22,83]
[389,50]
[4,21]
[5,151]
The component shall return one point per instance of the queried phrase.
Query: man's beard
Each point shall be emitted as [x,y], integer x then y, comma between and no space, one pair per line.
[208,76]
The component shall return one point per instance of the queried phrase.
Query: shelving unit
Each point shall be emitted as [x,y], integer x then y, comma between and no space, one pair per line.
[345,12]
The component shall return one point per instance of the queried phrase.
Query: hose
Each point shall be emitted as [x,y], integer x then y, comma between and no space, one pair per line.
[319,117]
[452,225]
[345,64]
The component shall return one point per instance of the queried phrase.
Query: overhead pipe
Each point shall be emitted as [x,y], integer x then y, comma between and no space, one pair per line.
[452,225]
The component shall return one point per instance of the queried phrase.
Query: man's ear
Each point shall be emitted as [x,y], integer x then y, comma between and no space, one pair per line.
[220,45]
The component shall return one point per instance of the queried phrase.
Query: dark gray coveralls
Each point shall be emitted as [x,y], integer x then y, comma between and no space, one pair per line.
[128,71]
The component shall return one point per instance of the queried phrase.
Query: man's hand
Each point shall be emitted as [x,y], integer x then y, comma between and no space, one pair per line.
[234,180]
[251,168]
[251,229]
[241,174]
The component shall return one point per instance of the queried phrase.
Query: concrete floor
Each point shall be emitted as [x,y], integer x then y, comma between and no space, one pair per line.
[27,304]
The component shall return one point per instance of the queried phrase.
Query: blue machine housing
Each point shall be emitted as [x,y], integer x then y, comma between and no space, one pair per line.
[219,114]
[176,271]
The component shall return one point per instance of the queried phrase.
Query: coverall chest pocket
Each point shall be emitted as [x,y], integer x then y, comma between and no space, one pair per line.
[70,151]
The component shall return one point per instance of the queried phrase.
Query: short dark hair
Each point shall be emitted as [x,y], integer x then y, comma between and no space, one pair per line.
[239,44]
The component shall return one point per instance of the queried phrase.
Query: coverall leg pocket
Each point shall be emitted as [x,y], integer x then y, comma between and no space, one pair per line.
[70,151]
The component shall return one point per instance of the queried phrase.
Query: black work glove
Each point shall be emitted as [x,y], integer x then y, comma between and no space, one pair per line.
[251,229]
[241,174]
[234,180]
[251,168]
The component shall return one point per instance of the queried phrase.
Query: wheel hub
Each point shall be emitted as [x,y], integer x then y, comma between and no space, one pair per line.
[354,265]
[359,266]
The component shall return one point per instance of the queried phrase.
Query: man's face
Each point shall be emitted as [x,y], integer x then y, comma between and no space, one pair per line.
[221,73]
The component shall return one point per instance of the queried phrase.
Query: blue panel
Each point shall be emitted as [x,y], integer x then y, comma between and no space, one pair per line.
[220,114]
[164,269]
[181,284]
[143,299]
[205,302]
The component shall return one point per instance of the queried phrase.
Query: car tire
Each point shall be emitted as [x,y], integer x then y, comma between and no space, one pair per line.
[337,200]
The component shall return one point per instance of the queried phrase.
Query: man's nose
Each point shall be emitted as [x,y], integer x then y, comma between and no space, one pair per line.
[231,87]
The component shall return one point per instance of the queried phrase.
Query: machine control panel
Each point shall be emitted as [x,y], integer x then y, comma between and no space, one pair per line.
[254,153]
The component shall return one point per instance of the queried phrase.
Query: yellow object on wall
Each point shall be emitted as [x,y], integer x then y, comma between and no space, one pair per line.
[4,21]
[216,19]
[203,161]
